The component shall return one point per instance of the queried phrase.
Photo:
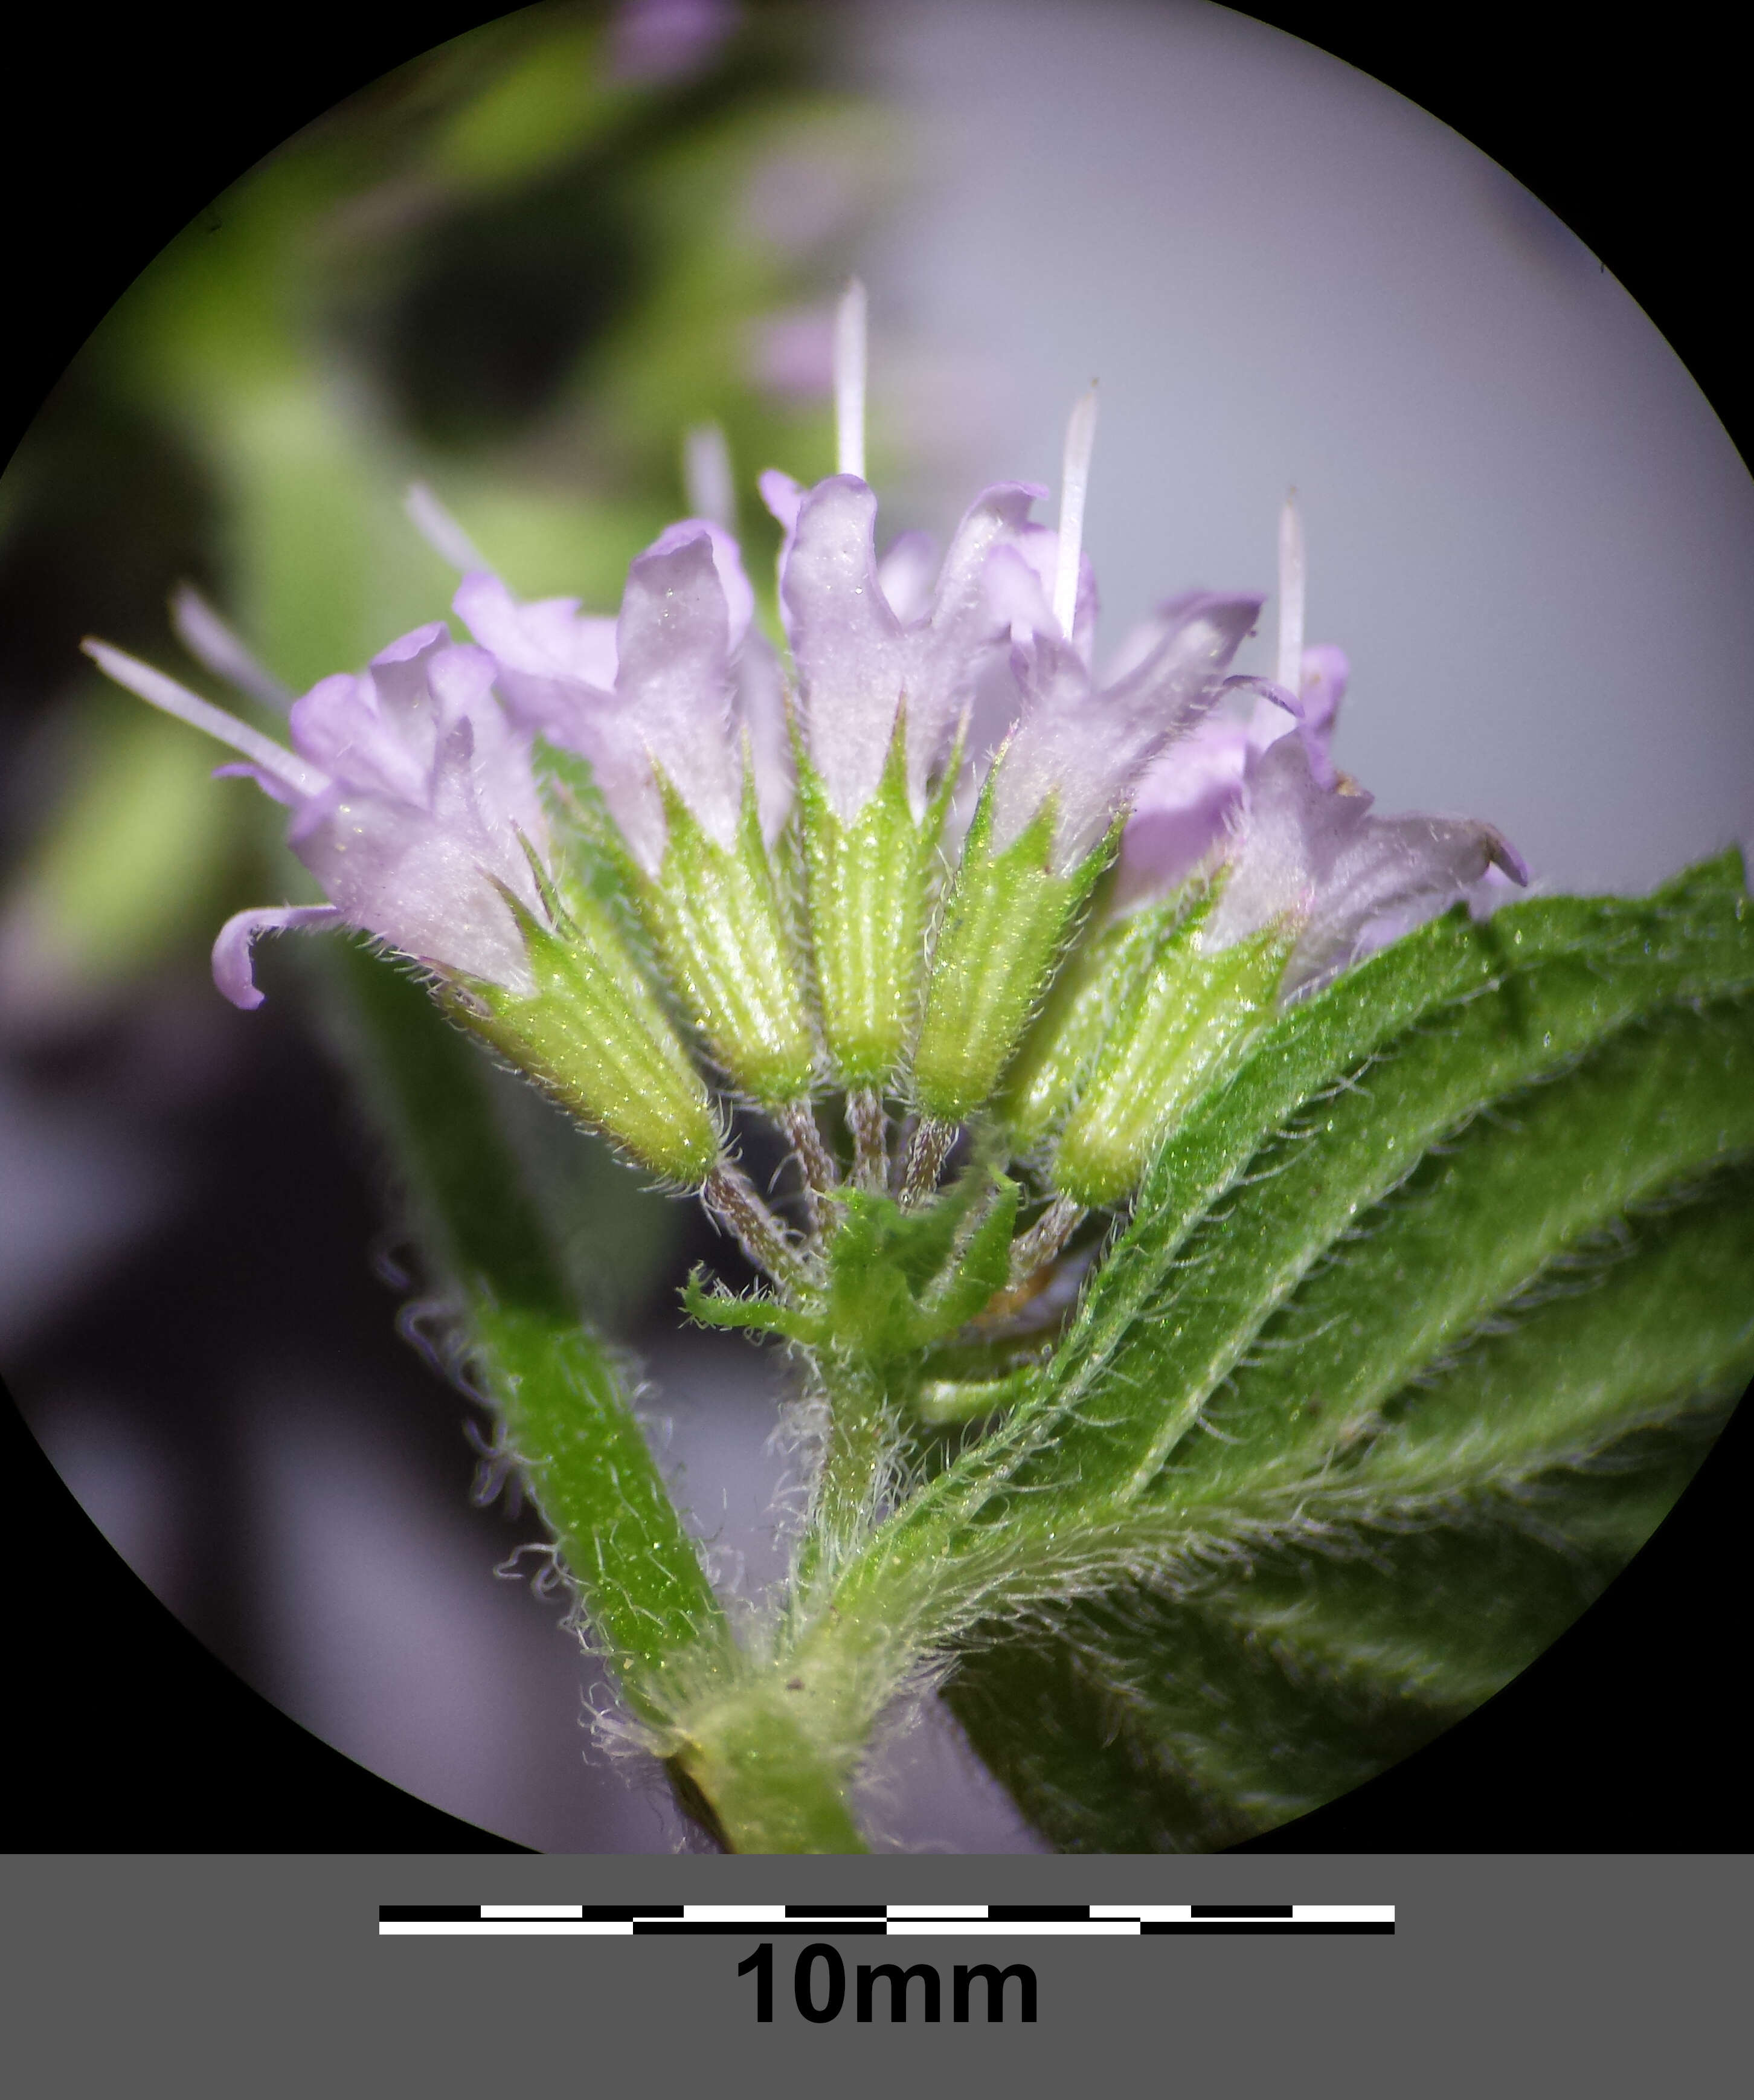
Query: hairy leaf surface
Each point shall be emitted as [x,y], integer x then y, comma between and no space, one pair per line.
[1415,1332]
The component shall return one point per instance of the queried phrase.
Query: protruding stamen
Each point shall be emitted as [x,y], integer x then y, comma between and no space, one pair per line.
[151,685]
[707,481]
[849,381]
[210,641]
[1289,671]
[1074,484]
[440,530]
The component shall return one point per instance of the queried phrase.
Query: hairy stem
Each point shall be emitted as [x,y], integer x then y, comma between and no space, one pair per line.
[853,1482]
[731,1196]
[555,1386]
[797,1119]
[870,1154]
[1045,1239]
[930,1147]
[767,1775]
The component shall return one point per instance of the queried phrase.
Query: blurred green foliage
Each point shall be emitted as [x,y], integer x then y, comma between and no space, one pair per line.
[500,268]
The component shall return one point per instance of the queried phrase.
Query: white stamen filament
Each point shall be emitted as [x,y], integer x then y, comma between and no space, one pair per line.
[440,530]
[1289,673]
[152,685]
[1074,485]
[210,641]
[707,479]
[849,381]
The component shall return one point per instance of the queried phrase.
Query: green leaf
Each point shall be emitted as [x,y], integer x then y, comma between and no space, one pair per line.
[1274,1176]
[758,1311]
[1472,1229]
[1144,1722]
[1145,1730]
[1410,1342]
[1160,1724]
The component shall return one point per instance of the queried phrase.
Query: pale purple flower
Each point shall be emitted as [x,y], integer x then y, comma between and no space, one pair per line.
[1188,800]
[666,689]
[906,574]
[1083,741]
[866,637]
[1314,857]
[413,803]
[1182,809]
[1294,839]
[761,713]
[860,652]
[1087,745]
[1021,580]
[1321,688]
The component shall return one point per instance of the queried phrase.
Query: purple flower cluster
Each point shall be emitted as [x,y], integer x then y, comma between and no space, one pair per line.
[415,796]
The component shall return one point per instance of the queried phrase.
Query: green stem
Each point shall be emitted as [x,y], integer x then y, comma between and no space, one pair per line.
[589,1471]
[555,1384]
[772,1780]
[870,1153]
[864,1431]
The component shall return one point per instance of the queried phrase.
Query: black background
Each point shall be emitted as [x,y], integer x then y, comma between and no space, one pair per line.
[1626,1736]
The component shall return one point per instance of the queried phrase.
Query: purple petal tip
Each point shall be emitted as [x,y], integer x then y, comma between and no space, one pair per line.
[1503,854]
[233,973]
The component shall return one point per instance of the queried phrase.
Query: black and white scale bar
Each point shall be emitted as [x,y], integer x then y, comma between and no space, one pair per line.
[891,1920]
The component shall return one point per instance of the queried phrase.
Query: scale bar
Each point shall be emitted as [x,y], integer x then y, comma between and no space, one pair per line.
[894,1920]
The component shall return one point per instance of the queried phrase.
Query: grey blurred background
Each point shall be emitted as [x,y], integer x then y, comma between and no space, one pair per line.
[1526,524]
[1527,528]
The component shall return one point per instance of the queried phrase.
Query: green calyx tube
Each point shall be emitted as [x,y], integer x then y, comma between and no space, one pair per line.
[867,883]
[1180,1032]
[719,924]
[1092,991]
[594,1037]
[1006,920]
